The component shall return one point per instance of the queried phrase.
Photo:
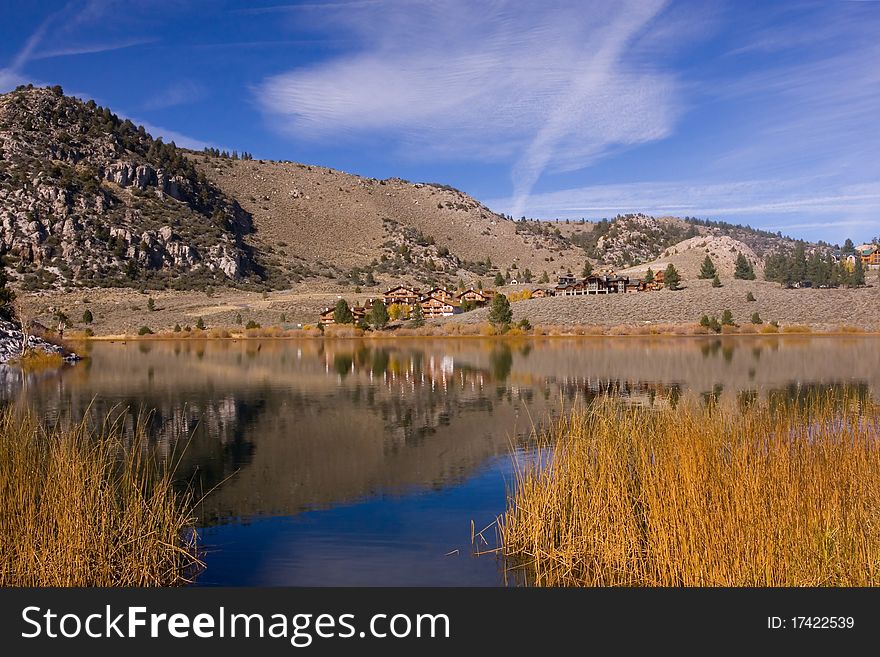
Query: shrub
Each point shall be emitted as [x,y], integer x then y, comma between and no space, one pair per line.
[200,324]
[727,318]
[756,318]
[87,317]
[750,297]
[251,325]
[145,330]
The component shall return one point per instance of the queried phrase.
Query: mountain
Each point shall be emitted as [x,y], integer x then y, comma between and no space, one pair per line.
[89,199]
[321,221]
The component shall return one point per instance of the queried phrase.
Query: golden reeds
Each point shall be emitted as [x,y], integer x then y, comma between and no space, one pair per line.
[80,508]
[788,496]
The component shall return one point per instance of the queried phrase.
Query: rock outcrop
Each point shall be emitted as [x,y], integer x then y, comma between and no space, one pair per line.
[89,199]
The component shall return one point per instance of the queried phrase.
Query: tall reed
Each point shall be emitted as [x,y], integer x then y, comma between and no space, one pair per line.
[699,496]
[81,508]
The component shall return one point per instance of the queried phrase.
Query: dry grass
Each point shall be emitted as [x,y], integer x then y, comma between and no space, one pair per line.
[79,509]
[37,359]
[702,497]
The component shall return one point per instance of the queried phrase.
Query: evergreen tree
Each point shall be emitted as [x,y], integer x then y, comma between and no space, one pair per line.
[87,317]
[7,296]
[756,318]
[200,324]
[500,313]
[527,275]
[417,316]
[707,270]
[649,276]
[588,269]
[750,297]
[727,318]
[544,278]
[671,279]
[848,247]
[857,279]
[499,279]
[342,313]
[379,314]
[743,270]
[716,282]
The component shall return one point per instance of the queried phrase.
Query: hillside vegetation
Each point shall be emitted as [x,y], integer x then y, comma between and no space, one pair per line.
[91,200]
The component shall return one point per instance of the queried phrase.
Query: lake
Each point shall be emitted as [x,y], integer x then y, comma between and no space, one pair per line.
[364,462]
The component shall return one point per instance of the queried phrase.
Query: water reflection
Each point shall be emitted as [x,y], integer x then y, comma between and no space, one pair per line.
[288,428]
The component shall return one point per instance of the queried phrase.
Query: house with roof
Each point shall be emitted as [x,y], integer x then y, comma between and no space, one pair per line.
[436,307]
[870,255]
[478,297]
[439,292]
[402,294]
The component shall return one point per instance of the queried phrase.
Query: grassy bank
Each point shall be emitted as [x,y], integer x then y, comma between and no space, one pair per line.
[696,496]
[81,509]
[485,329]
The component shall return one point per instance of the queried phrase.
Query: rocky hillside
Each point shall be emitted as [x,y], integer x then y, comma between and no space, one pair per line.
[687,256]
[89,199]
[316,220]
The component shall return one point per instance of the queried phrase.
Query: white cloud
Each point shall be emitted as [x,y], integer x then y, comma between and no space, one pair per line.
[179,92]
[180,139]
[545,87]
[741,200]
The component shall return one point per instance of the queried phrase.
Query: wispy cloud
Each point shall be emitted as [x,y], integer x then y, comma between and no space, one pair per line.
[179,92]
[746,200]
[168,136]
[545,88]
[91,48]
[67,32]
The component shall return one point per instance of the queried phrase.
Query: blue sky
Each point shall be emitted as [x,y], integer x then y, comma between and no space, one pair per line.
[754,112]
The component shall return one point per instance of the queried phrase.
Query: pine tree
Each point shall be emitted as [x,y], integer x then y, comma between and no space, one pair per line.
[499,279]
[671,279]
[756,318]
[727,318]
[743,270]
[500,313]
[708,271]
[649,276]
[342,313]
[379,314]
[588,269]
[857,279]
[87,317]
[417,316]
[716,282]
[544,278]
[7,296]
[200,324]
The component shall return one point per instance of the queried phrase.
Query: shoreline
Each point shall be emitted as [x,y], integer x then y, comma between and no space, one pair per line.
[392,335]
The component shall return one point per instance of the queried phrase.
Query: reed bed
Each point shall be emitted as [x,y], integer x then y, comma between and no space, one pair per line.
[80,508]
[694,496]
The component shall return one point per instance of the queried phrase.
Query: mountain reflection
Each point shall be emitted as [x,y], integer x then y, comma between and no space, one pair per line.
[276,427]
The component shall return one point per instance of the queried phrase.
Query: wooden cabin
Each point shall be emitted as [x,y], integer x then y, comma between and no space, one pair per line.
[437,307]
[402,294]
[541,293]
[357,312]
[479,297]
[440,293]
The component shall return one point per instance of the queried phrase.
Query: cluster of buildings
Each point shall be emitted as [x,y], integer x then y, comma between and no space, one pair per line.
[436,302]
[441,302]
[869,254]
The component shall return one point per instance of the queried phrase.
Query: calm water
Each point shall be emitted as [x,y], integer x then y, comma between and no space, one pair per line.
[364,462]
